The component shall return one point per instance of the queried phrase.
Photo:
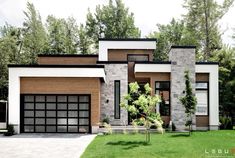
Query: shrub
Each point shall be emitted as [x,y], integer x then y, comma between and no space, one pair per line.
[225,122]
[173,127]
[10,130]
[105,120]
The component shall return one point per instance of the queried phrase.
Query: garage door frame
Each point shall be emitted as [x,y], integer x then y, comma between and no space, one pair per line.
[22,109]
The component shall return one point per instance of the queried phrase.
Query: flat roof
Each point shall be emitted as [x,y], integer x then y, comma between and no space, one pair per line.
[67,55]
[55,66]
[127,39]
[183,47]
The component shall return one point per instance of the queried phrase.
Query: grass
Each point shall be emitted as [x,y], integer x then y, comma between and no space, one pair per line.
[180,145]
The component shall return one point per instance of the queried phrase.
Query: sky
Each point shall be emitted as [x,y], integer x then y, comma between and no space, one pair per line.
[147,13]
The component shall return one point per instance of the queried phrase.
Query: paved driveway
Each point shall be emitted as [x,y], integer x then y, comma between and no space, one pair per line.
[44,145]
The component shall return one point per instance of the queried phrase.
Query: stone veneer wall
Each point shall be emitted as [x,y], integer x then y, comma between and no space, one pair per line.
[181,59]
[114,72]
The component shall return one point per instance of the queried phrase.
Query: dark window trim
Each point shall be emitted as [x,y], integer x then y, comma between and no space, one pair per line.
[45,125]
[117,81]
[165,89]
[208,101]
[56,66]
[137,55]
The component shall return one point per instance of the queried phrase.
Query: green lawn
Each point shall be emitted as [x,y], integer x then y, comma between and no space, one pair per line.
[175,145]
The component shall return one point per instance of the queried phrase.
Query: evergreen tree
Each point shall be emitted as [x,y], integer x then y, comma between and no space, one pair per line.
[189,101]
[34,35]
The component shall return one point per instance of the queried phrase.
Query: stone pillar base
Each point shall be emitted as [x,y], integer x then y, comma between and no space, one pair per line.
[213,127]
[94,129]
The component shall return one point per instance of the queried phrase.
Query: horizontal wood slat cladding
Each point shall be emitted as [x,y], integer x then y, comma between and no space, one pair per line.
[166,119]
[202,121]
[131,75]
[121,54]
[202,77]
[50,85]
[67,60]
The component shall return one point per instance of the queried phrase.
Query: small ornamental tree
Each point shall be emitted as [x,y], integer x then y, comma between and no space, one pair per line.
[142,104]
[189,101]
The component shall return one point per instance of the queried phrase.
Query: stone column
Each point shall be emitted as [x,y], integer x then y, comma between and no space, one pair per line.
[182,58]
[114,72]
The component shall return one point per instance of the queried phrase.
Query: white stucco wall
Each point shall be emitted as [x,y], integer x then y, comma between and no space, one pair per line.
[105,45]
[14,84]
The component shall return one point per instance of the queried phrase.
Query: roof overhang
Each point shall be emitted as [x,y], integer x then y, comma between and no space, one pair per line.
[166,67]
[56,71]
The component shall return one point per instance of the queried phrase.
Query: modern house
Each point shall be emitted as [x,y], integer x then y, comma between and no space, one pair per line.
[73,93]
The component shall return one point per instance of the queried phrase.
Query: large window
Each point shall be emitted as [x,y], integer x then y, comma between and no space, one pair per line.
[117,99]
[138,57]
[202,98]
[162,88]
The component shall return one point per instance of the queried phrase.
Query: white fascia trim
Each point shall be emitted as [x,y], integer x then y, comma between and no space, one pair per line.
[152,68]
[14,83]
[213,71]
[105,45]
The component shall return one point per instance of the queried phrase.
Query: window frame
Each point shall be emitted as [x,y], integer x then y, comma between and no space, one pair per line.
[203,89]
[165,89]
[119,100]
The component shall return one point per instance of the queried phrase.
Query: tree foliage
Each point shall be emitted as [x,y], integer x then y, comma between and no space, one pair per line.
[143,104]
[202,21]
[63,35]
[111,21]
[226,59]
[174,33]
[10,45]
[85,42]
[34,33]
[189,101]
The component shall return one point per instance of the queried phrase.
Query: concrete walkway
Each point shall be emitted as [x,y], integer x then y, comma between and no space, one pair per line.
[44,145]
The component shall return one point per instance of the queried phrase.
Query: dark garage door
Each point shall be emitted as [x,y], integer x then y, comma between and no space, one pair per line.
[55,113]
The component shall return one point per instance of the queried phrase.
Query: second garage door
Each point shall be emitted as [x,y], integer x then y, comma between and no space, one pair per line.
[55,113]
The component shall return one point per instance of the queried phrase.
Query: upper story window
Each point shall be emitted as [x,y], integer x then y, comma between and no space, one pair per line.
[138,57]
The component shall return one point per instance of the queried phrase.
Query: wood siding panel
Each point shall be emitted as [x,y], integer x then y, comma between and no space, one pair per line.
[47,85]
[166,119]
[202,121]
[202,77]
[67,60]
[121,54]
